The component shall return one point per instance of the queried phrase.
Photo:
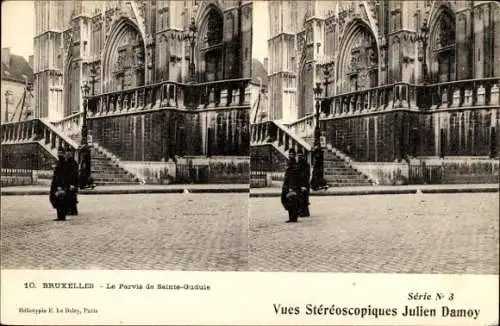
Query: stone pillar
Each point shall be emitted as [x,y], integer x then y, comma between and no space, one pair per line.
[496,40]
[463,39]
[395,42]
[383,14]
[479,41]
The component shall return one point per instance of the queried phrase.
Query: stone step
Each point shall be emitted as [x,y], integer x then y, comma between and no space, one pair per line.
[111,183]
[341,171]
[111,179]
[110,171]
[350,185]
[343,181]
[112,176]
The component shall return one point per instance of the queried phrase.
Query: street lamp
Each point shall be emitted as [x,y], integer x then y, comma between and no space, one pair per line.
[317,181]
[190,36]
[8,95]
[422,37]
[326,72]
[85,92]
[84,158]
[93,73]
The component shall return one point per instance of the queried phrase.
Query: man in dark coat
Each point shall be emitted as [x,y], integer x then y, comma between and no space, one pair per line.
[304,175]
[72,174]
[290,191]
[59,186]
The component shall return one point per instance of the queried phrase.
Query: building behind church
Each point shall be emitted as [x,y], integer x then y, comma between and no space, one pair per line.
[17,79]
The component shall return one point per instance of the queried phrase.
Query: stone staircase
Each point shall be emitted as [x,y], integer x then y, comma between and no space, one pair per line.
[338,171]
[106,172]
[105,168]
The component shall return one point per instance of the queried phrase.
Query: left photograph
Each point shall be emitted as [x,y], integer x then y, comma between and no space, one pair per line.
[125,134]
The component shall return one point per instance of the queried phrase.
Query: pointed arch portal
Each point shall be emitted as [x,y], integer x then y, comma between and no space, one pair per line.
[210,44]
[358,59]
[442,46]
[124,58]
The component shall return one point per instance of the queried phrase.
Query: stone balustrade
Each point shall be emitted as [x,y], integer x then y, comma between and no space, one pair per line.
[387,97]
[224,93]
[483,93]
[469,93]
[303,127]
[36,130]
[70,125]
[270,132]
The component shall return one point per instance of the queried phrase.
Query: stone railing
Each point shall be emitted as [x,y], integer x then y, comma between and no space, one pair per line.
[70,125]
[36,130]
[387,97]
[224,93]
[481,93]
[462,94]
[270,132]
[303,127]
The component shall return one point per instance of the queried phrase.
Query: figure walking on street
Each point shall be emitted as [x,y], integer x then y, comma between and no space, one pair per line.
[304,176]
[72,173]
[290,192]
[59,186]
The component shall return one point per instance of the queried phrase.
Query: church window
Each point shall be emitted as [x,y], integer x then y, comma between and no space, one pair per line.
[358,67]
[442,48]
[124,65]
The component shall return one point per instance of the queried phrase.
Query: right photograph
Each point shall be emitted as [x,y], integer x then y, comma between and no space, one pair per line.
[375,137]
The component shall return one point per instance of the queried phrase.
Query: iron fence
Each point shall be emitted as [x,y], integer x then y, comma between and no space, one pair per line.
[16,177]
[425,173]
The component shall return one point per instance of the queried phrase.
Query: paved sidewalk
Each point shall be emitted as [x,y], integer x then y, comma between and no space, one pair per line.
[385,190]
[133,189]
[429,234]
[257,192]
[197,232]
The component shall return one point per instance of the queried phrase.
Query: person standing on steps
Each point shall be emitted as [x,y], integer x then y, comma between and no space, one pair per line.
[317,181]
[290,192]
[59,186]
[85,178]
[304,176]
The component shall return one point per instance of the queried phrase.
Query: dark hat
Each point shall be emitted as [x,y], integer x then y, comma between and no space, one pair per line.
[301,152]
[291,151]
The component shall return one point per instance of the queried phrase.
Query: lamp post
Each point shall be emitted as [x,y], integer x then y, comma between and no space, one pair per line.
[190,36]
[93,73]
[317,181]
[84,158]
[85,92]
[326,72]
[422,37]
[8,94]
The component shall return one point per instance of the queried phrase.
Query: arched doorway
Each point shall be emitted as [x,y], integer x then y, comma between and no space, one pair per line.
[306,85]
[210,43]
[358,61]
[124,62]
[442,47]
[72,88]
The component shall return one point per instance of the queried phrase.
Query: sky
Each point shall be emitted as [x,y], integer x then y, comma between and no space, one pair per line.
[18,20]
[260,30]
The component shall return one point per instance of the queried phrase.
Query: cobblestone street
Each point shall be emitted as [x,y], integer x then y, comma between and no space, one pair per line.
[164,231]
[426,233]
